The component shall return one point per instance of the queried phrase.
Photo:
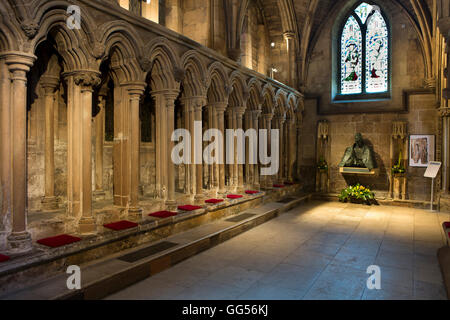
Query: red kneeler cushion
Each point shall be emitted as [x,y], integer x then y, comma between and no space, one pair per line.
[447,225]
[163,214]
[234,196]
[289,183]
[58,241]
[214,201]
[278,185]
[188,207]
[4,258]
[120,225]
[251,192]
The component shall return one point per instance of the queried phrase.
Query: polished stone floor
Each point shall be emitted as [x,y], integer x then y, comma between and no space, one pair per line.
[320,250]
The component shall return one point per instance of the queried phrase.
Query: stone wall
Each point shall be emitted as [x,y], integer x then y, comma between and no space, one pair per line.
[420,110]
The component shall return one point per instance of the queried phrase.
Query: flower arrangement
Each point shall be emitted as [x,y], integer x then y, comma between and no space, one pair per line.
[399,168]
[322,165]
[357,193]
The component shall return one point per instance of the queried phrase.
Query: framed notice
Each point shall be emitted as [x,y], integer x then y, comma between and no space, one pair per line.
[421,150]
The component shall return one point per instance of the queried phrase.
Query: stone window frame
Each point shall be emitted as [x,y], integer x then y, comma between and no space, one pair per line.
[336,96]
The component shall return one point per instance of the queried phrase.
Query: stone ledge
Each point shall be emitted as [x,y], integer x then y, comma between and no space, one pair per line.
[106,276]
[45,262]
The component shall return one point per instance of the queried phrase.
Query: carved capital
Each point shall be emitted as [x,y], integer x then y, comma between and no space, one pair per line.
[87,79]
[30,28]
[179,74]
[98,50]
[145,63]
[444,112]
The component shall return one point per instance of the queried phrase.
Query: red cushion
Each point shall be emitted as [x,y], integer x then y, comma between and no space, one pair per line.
[162,214]
[120,225]
[278,185]
[251,192]
[188,207]
[447,225]
[214,201]
[234,196]
[58,241]
[4,258]
[289,183]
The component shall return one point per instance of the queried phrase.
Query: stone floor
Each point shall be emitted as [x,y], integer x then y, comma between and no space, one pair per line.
[320,250]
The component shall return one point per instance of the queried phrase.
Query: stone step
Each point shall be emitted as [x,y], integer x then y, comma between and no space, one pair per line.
[116,271]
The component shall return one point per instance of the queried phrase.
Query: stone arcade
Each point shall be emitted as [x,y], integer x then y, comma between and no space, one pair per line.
[92,91]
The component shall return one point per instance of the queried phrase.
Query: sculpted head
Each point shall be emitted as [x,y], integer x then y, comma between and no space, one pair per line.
[359,139]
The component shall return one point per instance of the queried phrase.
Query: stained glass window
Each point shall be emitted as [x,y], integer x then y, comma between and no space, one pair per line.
[351,44]
[364,46]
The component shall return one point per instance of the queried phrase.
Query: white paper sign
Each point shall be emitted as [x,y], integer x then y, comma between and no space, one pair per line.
[433,169]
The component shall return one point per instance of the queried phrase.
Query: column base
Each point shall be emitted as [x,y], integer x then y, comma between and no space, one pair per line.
[99,195]
[87,226]
[49,204]
[199,197]
[135,211]
[170,205]
[19,242]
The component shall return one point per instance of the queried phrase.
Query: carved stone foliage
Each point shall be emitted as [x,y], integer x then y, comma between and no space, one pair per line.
[87,79]
[399,130]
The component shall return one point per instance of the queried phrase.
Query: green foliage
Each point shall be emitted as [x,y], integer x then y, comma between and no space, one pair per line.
[357,193]
[399,168]
[322,165]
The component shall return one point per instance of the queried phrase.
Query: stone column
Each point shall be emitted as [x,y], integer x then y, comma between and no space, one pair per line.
[135,92]
[255,125]
[249,172]
[445,115]
[220,113]
[50,84]
[230,118]
[170,105]
[268,126]
[212,124]
[292,147]
[187,172]
[19,240]
[239,168]
[5,146]
[290,45]
[280,124]
[165,118]
[198,167]
[99,145]
[299,156]
[86,81]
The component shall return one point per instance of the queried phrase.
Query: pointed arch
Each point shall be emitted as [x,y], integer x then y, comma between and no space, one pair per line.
[255,97]
[195,83]
[269,101]
[239,95]
[219,87]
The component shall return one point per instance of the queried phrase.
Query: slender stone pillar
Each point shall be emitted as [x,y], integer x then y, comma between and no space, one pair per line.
[5,146]
[299,156]
[291,143]
[198,167]
[99,145]
[87,81]
[248,153]
[187,171]
[19,240]
[255,125]
[50,84]
[282,154]
[165,116]
[445,115]
[268,126]
[230,166]
[239,168]
[276,126]
[170,105]
[220,112]
[135,92]
[290,46]
[211,167]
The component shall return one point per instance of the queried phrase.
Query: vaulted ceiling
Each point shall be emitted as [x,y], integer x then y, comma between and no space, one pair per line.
[307,16]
